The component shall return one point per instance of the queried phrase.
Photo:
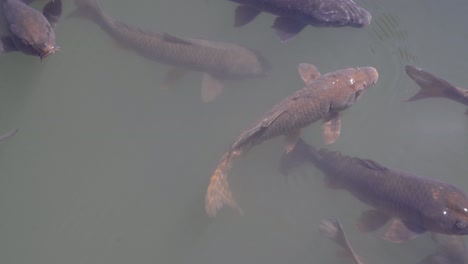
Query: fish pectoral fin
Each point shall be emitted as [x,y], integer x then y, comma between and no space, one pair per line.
[170,38]
[291,140]
[287,28]
[52,11]
[211,88]
[308,73]
[331,128]
[245,15]
[373,165]
[7,45]
[7,135]
[171,77]
[400,231]
[372,220]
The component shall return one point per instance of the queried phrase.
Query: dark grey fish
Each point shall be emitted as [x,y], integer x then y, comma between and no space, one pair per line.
[433,86]
[414,204]
[333,230]
[219,61]
[295,15]
[30,31]
[7,135]
[323,98]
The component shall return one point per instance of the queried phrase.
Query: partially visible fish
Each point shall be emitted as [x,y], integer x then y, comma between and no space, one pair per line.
[7,135]
[322,98]
[432,86]
[295,15]
[450,250]
[30,31]
[332,229]
[414,204]
[218,61]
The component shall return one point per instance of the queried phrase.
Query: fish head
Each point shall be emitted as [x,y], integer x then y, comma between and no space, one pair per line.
[35,36]
[244,63]
[346,86]
[452,216]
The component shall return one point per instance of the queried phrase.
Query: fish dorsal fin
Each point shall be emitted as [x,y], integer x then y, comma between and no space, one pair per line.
[400,231]
[170,38]
[373,165]
[308,72]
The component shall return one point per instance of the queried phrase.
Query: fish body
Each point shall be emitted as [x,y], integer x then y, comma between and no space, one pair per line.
[415,204]
[433,86]
[322,98]
[220,61]
[294,15]
[30,31]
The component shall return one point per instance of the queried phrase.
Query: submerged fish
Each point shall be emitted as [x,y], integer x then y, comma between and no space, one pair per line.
[450,250]
[333,230]
[30,31]
[218,61]
[7,135]
[432,86]
[414,204]
[322,98]
[295,15]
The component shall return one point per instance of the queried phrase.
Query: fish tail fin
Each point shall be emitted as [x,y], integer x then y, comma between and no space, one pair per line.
[430,85]
[219,193]
[88,9]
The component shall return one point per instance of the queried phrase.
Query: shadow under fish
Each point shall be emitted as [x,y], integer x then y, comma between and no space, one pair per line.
[433,86]
[30,31]
[413,204]
[217,60]
[295,15]
[322,98]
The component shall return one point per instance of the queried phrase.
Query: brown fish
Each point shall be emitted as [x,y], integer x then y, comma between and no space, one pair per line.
[432,86]
[217,60]
[332,229]
[30,31]
[414,204]
[450,250]
[322,98]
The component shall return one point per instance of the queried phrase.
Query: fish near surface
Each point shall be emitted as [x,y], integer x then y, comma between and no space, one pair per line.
[432,86]
[322,98]
[412,203]
[217,60]
[333,230]
[295,15]
[30,31]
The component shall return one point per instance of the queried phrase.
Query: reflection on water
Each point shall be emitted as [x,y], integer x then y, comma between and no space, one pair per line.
[108,168]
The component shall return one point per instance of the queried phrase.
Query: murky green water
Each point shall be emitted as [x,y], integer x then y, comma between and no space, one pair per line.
[108,168]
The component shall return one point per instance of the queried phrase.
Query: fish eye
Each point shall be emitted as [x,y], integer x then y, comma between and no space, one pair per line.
[460,224]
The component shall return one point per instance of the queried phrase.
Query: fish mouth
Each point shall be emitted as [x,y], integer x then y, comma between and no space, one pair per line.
[47,51]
